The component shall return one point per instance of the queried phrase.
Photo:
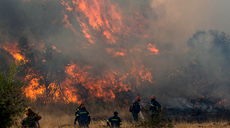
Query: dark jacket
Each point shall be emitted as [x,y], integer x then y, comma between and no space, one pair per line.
[115,121]
[136,107]
[82,116]
[29,122]
[78,109]
[155,106]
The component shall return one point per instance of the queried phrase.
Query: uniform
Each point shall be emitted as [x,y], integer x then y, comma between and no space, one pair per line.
[135,109]
[83,118]
[78,109]
[155,108]
[115,121]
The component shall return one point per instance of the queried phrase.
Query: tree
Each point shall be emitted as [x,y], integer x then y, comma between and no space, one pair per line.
[12,97]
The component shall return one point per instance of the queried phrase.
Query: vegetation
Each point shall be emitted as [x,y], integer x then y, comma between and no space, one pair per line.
[157,121]
[12,97]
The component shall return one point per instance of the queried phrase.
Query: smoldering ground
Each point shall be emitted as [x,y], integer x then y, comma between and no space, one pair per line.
[190,63]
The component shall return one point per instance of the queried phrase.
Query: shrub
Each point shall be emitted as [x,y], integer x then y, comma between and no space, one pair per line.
[12,97]
[159,121]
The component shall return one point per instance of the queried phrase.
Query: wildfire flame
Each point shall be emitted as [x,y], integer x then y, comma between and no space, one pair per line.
[14,51]
[101,16]
[100,21]
[222,101]
[152,49]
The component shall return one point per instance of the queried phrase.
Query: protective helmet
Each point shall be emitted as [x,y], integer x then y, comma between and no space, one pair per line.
[153,97]
[115,113]
[138,98]
[81,103]
[82,107]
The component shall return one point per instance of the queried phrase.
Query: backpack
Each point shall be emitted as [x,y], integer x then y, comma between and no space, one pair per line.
[131,108]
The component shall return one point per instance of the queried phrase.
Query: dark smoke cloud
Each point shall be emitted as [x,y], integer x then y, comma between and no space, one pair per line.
[171,25]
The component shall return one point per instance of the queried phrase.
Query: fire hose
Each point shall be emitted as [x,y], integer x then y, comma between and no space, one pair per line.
[144,109]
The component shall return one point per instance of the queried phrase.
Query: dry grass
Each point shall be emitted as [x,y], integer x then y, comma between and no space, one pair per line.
[62,116]
[101,124]
[223,124]
[66,121]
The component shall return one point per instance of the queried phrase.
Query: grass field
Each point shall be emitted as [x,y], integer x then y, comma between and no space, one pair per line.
[101,124]
[62,116]
[66,121]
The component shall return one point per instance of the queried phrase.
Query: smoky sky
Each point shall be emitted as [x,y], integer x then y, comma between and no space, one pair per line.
[172,26]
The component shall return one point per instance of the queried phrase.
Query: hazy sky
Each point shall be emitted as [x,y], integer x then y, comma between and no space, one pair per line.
[179,19]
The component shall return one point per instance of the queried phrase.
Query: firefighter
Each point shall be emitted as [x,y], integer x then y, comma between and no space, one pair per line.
[155,107]
[83,117]
[79,108]
[115,121]
[135,108]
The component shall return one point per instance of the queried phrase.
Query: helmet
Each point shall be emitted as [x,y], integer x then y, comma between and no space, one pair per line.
[81,103]
[82,107]
[115,113]
[138,98]
[153,97]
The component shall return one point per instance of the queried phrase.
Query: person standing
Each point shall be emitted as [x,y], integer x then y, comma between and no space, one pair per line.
[83,117]
[155,107]
[135,108]
[115,121]
[30,120]
[79,108]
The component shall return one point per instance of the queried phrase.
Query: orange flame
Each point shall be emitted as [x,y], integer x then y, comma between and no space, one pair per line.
[97,86]
[34,89]
[67,5]
[99,20]
[101,15]
[122,52]
[140,73]
[14,51]
[152,49]
[222,101]
[68,24]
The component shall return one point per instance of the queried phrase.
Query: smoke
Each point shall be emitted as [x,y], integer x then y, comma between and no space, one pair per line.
[177,21]
[189,64]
